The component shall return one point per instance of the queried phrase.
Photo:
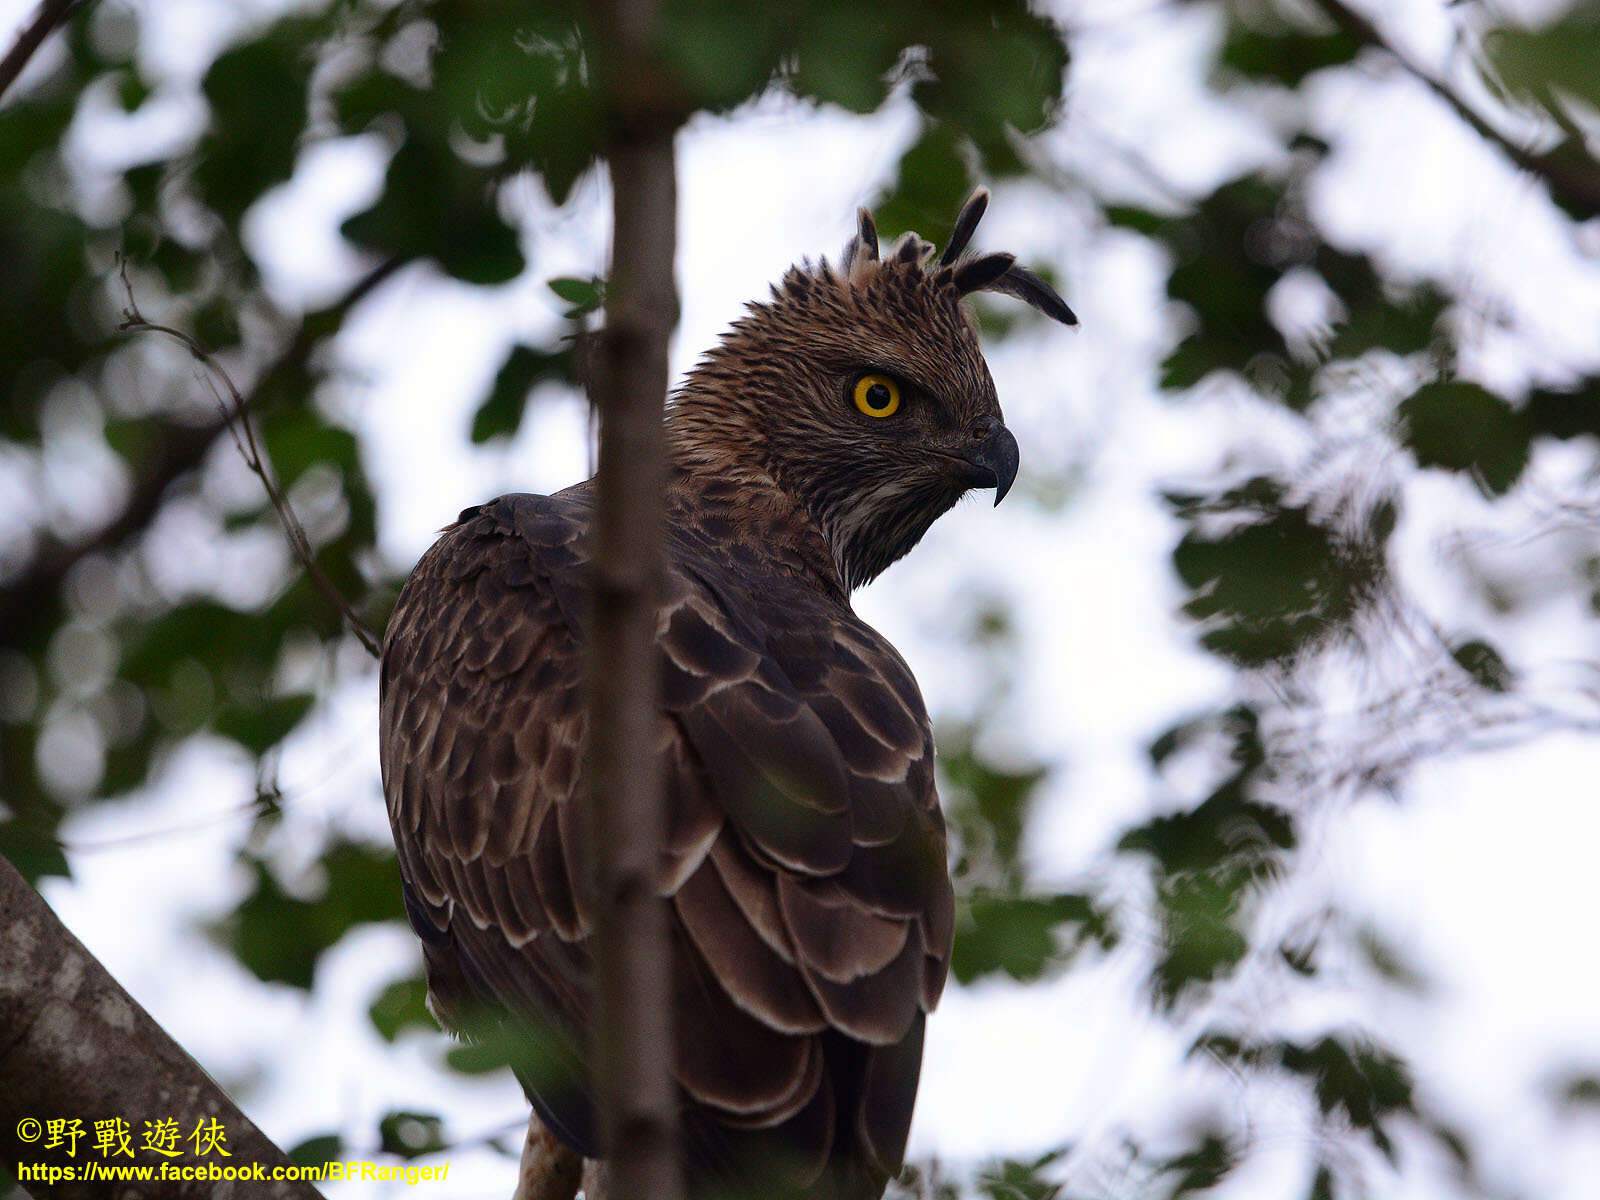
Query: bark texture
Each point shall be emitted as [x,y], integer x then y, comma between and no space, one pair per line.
[549,1170]
[75,1045]
[633,1031]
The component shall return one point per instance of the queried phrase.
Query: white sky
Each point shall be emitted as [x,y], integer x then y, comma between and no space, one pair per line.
[1484,873]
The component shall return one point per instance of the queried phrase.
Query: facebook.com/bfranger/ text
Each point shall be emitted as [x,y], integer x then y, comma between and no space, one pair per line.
[111,1150]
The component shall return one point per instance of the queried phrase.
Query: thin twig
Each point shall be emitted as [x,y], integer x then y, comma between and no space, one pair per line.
[1577,182]
[29,600]
[47,18]
[236,414]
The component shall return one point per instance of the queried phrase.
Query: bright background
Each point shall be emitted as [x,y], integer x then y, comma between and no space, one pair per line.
[1473,857]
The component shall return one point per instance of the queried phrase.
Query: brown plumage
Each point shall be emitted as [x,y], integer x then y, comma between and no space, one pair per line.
[805,865]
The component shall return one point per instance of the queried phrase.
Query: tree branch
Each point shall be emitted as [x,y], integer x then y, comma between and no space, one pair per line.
[47,18]
[632,1028]
[1576,184]
[236,417]
[28,601]
[549,1171]
[75,1045]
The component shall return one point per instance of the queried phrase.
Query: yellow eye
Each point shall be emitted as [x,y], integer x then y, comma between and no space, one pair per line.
[877,395]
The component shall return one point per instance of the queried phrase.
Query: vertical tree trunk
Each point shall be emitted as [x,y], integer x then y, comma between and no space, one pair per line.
[632,1027]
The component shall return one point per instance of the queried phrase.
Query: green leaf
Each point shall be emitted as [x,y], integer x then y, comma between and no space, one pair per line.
[1024,936]
[933,181]
[1177,738]
[1208,862]
[31,847]
[991,71]
[1388,960]
[722,63]
[1378,316]
[400,1006]
[1020,1179]
[585,295]
[299,438]
[1350,1076]
[1570,159]
[132,90]
[1201,1168]
[1280,53]
[541,1054]
[279,936]
[45,256]
[257,94]
[1562,57]
[1269,578]
[1569,413]
[1483,662]
[1354,1077]
[1139,220]
[524,368]
[1224,830]
[411,1134]
[1229,253]
[436,206]
[1202,934]
[260,727]
[846,55]
[987,804]
[314,1151]
[519,81]
[1462,426]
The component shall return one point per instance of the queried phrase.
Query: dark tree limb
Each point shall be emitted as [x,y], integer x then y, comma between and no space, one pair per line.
[74,1044]
[632,1019]
[46,19]
[1575,182]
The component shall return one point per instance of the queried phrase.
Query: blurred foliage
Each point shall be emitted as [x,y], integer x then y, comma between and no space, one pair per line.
[111,659]
[411,1134]
[1002,925]
[402,1005]
[1552,66]
[1270,576]
[280,936]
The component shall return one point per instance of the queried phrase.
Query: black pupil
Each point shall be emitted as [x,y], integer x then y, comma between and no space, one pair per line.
[878,396]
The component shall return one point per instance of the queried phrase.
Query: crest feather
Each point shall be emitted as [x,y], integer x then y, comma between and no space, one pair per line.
[911,247]
[996,271]
[978,273]
[966,223]
[1031,290]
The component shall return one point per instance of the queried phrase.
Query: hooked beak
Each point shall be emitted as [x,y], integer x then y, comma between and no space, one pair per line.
[994,461]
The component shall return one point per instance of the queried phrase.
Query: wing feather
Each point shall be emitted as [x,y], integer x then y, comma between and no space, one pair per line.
[805,854]
[748,970]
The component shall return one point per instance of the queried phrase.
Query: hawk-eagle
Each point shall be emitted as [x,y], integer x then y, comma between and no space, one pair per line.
[805,867]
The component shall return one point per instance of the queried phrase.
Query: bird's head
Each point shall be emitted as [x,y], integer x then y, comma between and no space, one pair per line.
[861,390]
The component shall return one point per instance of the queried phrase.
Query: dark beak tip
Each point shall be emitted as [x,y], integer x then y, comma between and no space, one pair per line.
[995,462]
[1004,458]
